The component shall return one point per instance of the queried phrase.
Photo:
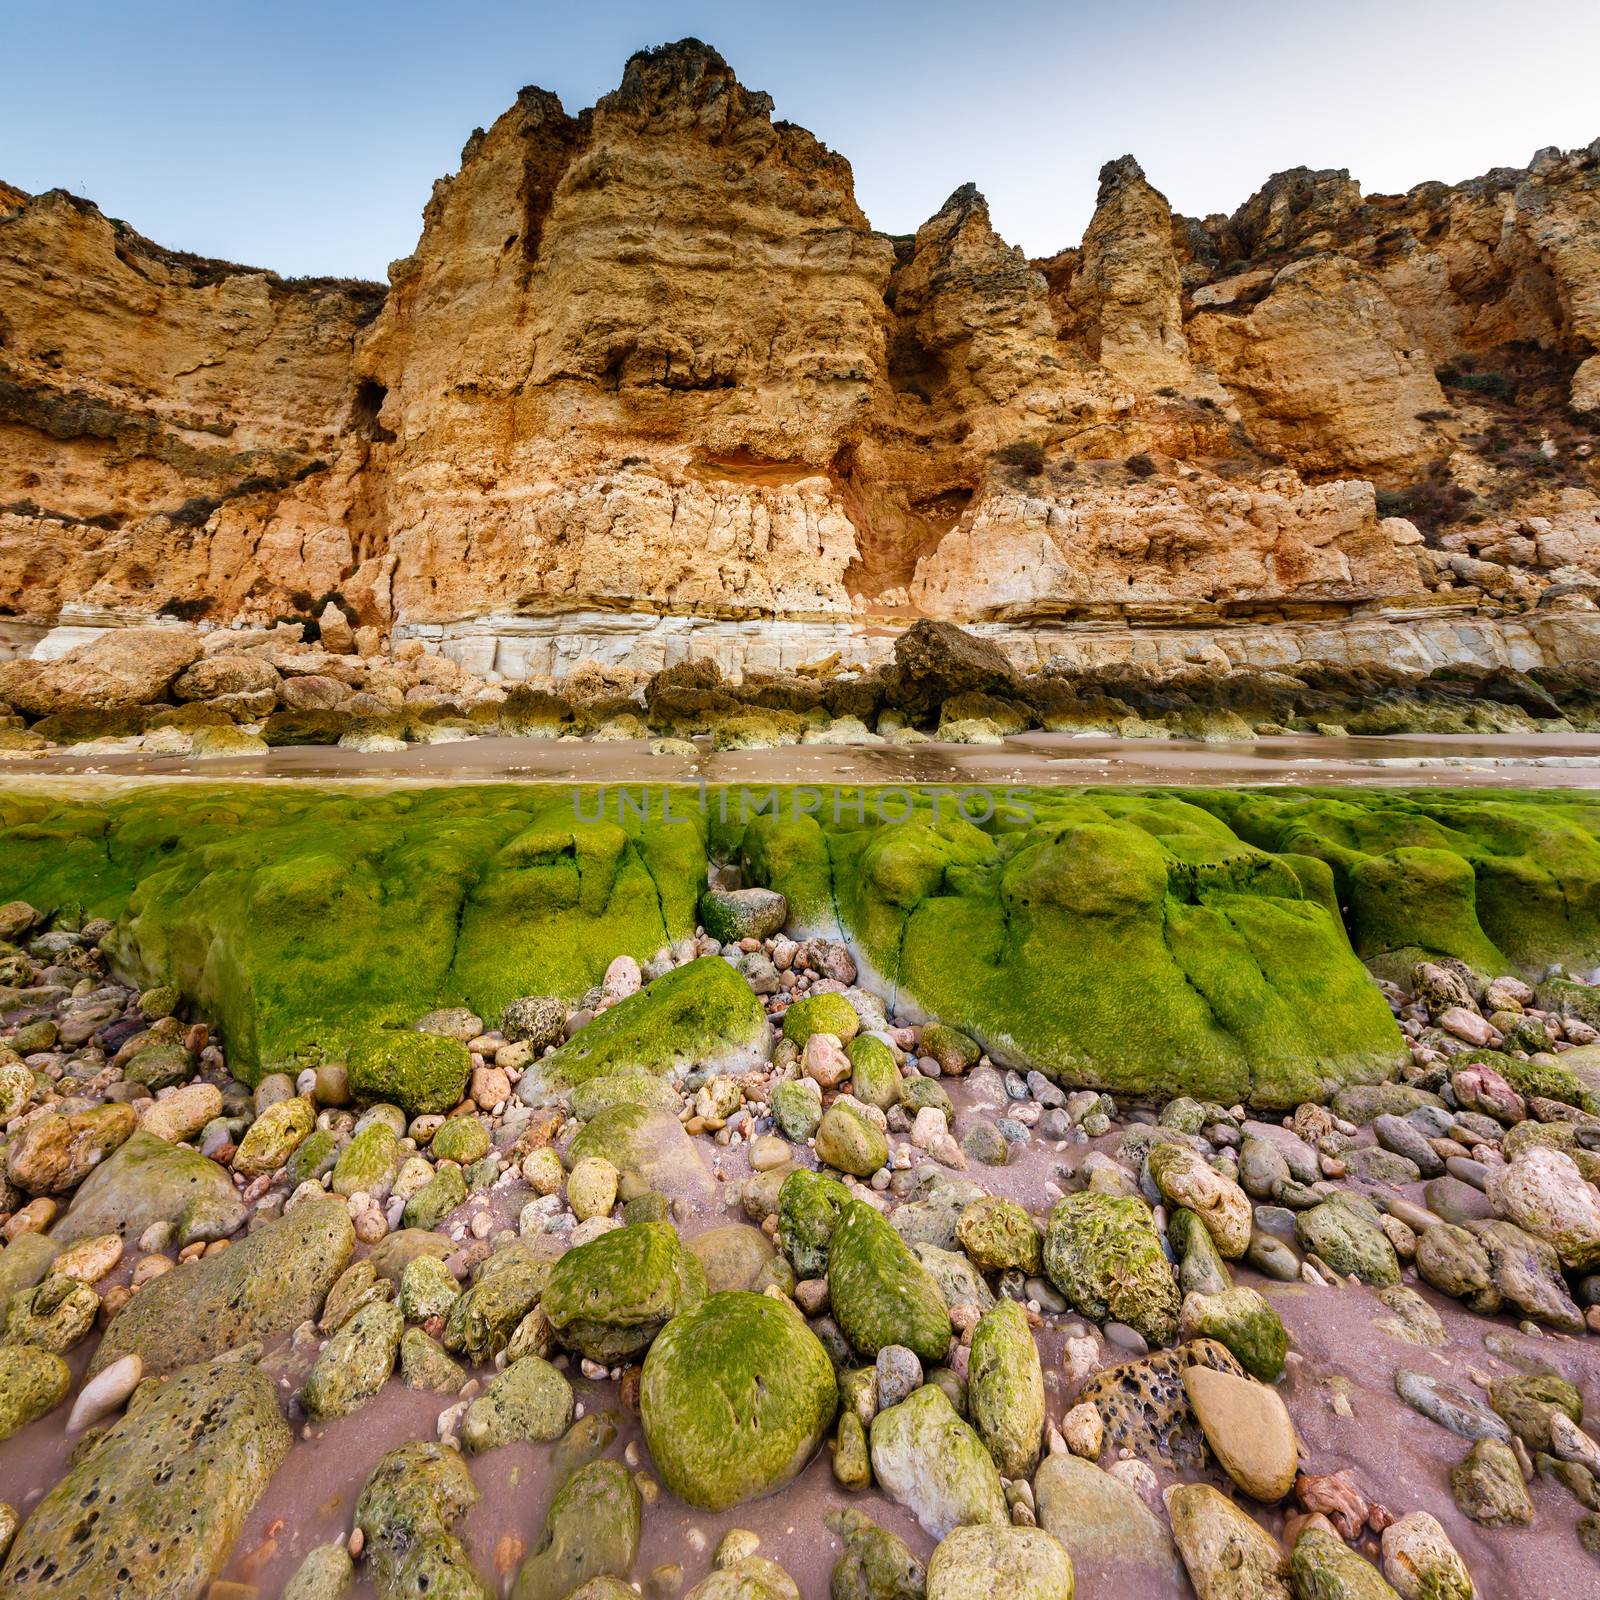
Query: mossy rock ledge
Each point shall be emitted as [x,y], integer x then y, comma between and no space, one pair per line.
[1211,942]
[737,1396]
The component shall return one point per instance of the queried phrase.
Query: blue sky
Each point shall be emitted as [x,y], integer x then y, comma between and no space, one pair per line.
[305,137]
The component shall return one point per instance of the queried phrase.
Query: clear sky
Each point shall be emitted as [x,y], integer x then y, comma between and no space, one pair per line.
[305,136]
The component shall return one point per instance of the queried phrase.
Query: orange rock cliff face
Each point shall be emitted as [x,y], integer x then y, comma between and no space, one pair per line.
[652,359]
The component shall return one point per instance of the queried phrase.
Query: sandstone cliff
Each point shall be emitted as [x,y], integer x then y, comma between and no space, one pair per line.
[652,358]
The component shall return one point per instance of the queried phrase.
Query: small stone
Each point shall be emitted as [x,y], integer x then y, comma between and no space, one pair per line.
[1488,1486]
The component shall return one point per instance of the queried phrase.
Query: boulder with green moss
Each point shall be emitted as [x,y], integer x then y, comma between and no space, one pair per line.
[355,1363]
[1000,1236]
[808,1211]
[849,1140]
[590,1532]
[821,1013]
[407,1512]
[609,1298]
[32,1382]
[368,1164]
[1243,1321]
[650,1151]
[144,1181]
[1345,1232]
[270,1282]
[874,1075]
[925,1458]
[701,1015]
[420,1072]
[881,1294]
[529,1401]
[736,1397]
[975,1563]
[1005,1389]
[1104,1254]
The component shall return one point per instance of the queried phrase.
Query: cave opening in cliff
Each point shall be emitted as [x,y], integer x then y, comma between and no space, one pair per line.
[368,408]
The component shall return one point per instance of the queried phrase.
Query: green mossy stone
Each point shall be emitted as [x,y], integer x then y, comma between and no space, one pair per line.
[927,1459]
[1200,1269]
[630,1087]
[463,1139]
[435,1200]
[959,1281]
[1245,1323]
[590,1531]
[424,1365]
[918,1092]
[1488,1486]
[484,1317]
[32,1382]
[977,1563]
[274,1136]
[874,1564]
[650,1150]
[999,1236]
[159,1066]
[530,1402]
[952,1049]
[326,1574]
[315,1156]
[409,1503]
[55,1315]
[850,1141]
[797,1109]
[154,1504]
[428,1288]
[881,1294]
[1345,1233]
[701,1015]
[608,1299]
[737,1396]
[809,1204]
[1324,1567]
[1104,1254]
[734,1256]
[270,1282]
[144,1181]
[874,1076]
[354,1364]
[1005,1389]
[1527,1403]
[821,1013]
[731,915]
[420,1072]
[24,1262]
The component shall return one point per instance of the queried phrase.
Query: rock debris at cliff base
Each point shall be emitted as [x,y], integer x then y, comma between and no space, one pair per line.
[741,1270]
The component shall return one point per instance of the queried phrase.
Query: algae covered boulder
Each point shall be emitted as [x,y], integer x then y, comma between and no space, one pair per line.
[146,1180]
[154,1505]
[976,1563]
[927,1459]
[881,1293]
[875,1564]
[808,1211]
[609,1298]
[265,1285]
[355,1363]
[407,1511]
[1245,1322]
[850,1141]
[32,1382]
[529,1401]
[1104,1254]
[649,1149]
[1005,1388]
[1324,1567]
[999,1236]
[700,1015]
[736,1397]
[420,1072]
[591,1532]
[821,1013]
[1344,1231]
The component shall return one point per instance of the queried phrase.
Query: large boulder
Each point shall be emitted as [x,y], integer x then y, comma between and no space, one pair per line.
[927,1459]
[609,1298]
[976,1563]
[144,1181]
[650,1150]
[153,1505]
[881,1293]
[1006,1389]
[936,661]
[420,1072]
[268,1283]
[735,1399]
[701,1015]
[1104,1254]
[590,1534]
[123,667]
[407,1512]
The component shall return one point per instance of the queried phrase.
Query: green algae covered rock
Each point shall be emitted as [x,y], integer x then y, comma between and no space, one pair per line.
[1344,1231]
[152,1507]
[368,1164]
[424,1365]
[436,1199]
[1324,1567]
[821,1013]
[145,1181]
[591,1531]
[530,1401]
[485,1315]
[407,1510]
[24,1261]
[32,1382]
[609,1298]
[355,1363]
[463,1139]
[736,1397]
[927,1459]
[428,1288]
[649,1149]
[881,1293]
[1005,1389]
[850,1141]
[631,1086]
[1244,1322]
[875,1564]
[873,1074]
[1000,1236]
[700,1015]
[326,1574]
[754,1578]
[55,1315]
[735,1256]
[1200,1269]
[975,1563]
[1104,1254]
[268,1283]
[275,1136]
[808,1211]
[419,1072]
